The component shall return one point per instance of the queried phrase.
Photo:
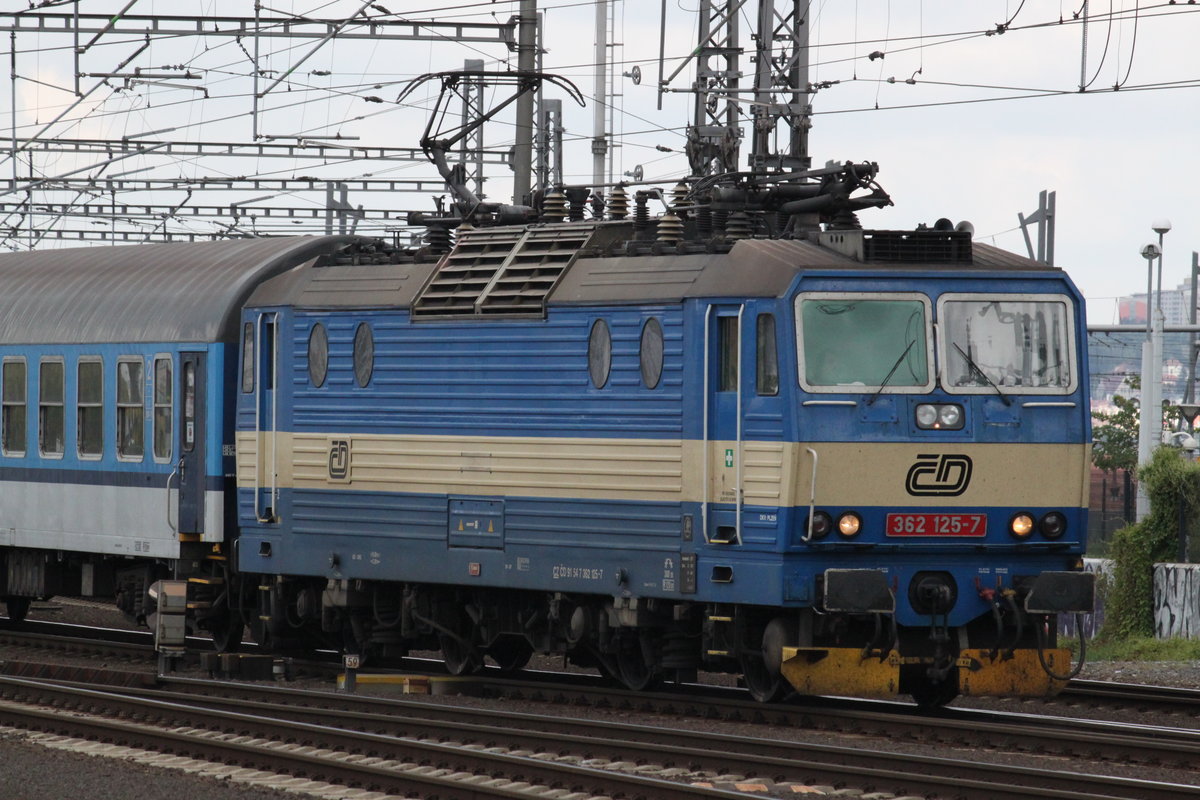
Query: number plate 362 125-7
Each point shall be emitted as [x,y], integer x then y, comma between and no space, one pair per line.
[936,525]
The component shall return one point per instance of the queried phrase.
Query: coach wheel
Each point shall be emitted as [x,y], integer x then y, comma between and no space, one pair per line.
[633,669]
[461,657]
[762,685]
[511,654]
[935,695]
[17,608]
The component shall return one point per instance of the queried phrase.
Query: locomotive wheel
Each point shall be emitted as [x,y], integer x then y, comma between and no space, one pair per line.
[510,654]
[17,608]
[461,657]
[227,632]
[633,670]
[934,695]
[762,685]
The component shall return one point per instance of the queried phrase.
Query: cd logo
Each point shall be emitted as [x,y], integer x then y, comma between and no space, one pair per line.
[946,475]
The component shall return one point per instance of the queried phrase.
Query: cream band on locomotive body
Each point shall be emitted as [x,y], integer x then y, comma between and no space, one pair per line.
[772,473]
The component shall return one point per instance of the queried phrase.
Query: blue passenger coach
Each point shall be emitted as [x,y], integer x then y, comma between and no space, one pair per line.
[117,421]
[854,462]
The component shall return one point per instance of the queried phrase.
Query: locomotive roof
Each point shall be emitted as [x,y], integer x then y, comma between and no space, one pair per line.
[752,268]
[180,292]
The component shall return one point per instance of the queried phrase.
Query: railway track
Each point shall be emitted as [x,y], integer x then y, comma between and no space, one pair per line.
[713,757]
[358,724]
[1131,695]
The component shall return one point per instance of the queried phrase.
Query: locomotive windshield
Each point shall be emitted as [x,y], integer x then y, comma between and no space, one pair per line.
[1006,344]
[864,343]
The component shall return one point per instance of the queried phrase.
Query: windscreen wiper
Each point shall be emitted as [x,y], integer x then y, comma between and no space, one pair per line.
[891,372]
[971,363]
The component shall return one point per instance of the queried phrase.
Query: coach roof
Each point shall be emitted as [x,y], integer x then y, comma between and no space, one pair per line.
[184,292]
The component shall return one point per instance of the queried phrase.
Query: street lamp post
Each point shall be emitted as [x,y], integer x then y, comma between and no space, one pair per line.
[1150,423]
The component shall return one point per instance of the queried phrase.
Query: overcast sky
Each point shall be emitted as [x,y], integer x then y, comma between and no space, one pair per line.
[948,145]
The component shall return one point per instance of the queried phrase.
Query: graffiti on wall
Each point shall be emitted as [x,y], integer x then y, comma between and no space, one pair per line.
[1177,601]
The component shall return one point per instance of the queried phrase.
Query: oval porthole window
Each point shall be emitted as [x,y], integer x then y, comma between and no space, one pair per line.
[318,355]
[652,352]
[599,353]
[364,354]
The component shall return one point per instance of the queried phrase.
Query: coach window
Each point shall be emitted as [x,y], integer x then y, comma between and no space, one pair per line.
[164,388]
[767,372]
[364,354]
[248,357]
[651,352]
[131,410]
[13,437]
[599,353]
[90,408]
[318,355]
[51,428]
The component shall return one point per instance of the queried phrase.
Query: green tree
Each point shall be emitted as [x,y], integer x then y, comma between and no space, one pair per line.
[1115,434]
[1172,481]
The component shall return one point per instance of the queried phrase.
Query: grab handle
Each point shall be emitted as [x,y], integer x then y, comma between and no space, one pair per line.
[812,497]
[170,478]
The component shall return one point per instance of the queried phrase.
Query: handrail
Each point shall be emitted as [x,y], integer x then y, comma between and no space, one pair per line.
[274,417]
[174,526]
[812,497]
[257,411]
[738,474]
[706,391]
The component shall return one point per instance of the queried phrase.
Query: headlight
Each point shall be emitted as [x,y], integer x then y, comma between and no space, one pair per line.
[1053,525]
[943,416]
[849,524]
[950,416]
[1021,525]
[820,525]
[927,415]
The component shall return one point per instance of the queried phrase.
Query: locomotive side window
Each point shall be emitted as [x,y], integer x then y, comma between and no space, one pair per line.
[1001,343]
[864,343]
[767,361]
[364,354]
[131,409]
[652,352]
[318,355]
[727,348]
[89,403]
[599,353]
[13,437]
[51,427]
[164,389]
[248,358]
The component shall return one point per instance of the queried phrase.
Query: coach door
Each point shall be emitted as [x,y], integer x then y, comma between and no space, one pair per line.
[191,466]
[723,424]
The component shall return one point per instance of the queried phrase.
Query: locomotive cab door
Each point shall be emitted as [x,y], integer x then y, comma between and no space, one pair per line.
[192,439]
[265,354]
[723,424]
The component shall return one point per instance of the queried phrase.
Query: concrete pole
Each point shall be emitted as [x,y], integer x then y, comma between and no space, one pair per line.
[600,99]
[526,63]
[1150,417]
[1189,395]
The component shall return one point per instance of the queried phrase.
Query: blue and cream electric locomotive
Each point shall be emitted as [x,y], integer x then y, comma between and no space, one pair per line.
[845,461]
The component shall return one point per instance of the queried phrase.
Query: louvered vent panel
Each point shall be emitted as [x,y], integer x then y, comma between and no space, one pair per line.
[502,271]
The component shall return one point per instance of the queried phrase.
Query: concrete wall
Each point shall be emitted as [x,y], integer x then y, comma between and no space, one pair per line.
[1177,601]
